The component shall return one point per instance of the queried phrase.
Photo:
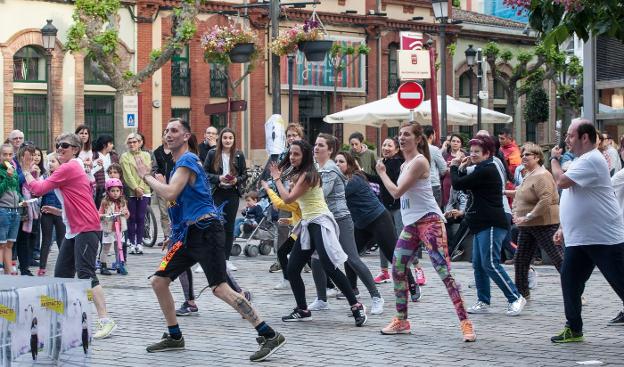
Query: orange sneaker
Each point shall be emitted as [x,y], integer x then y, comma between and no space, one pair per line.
[397,326]
[468,331]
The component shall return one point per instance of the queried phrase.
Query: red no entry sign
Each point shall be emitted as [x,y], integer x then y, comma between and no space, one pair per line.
[410,95]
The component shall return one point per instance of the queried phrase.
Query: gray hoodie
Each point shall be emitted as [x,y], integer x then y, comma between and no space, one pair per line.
[334,189]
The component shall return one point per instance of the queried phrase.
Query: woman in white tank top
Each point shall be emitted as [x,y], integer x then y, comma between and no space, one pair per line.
[424,226]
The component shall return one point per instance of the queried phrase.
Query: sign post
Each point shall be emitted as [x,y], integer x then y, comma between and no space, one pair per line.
[410,95]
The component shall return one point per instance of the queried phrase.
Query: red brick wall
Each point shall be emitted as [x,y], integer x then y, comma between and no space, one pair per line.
[144,47]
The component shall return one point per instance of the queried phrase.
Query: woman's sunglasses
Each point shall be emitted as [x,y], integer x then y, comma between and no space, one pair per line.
[64,145]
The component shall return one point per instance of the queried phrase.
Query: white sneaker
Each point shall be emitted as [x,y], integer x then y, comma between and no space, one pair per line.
[318,305]
[283,284]
[479,307]
[514,308]
[331,292]
[377,306]
[198,269]
[532,278]
[132,249]
[230,266]
[139,249]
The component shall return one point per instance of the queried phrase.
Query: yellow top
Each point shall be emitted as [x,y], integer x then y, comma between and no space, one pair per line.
[280,204]
[312,203]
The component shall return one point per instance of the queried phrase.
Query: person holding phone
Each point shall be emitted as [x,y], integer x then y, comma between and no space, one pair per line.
[227,172]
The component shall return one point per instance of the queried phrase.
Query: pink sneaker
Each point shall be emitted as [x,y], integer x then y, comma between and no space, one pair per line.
[41,272]
[421,279]
[383,277]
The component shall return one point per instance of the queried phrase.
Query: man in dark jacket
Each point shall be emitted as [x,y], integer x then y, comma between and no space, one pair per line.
[210,142]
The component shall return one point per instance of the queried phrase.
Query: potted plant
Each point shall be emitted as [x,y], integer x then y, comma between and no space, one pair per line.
[306,37]
[229,44]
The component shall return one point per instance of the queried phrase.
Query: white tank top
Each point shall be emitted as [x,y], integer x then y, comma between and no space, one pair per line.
[418,200]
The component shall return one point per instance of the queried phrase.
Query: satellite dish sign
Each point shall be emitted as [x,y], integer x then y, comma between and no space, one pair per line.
[410,95]
[411,40]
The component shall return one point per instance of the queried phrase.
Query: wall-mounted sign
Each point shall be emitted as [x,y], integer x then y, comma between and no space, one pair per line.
[320,76]
[414,64]
[411,40]
[131,112]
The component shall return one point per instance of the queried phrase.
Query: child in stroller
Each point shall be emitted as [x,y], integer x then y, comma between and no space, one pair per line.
[251,216]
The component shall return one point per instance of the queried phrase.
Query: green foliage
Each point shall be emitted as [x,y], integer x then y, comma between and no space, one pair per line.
[556,24]
[75,35]
[128,75]
[155,54]
[457,3]
[506,56]
[107,40]
[452,49]
[537,107]
[187,31]
[491,50]
[98,8]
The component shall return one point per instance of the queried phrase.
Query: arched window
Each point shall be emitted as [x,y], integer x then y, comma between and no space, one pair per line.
[464,84]
[499,90]
[29,65]
[393,68]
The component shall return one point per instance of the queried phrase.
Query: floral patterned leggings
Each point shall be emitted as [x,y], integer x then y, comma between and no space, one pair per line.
[429,232]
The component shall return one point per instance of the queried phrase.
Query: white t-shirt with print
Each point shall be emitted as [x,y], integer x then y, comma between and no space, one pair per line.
[589,211]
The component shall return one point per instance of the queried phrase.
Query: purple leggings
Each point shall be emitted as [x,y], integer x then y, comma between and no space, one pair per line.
[136,222]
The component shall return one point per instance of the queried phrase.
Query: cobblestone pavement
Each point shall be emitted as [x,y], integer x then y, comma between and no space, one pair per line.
[219,337]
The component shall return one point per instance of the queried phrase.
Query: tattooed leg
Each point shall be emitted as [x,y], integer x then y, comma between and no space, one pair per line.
[224,292]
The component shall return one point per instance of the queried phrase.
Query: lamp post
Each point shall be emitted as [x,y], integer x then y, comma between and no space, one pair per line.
[48,35]
[440,11]
[470,53]
[479,81]
[291,62]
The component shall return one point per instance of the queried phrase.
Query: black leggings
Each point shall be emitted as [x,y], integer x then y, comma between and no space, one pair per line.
[49,222]
[298,259]
[229,212]
[282,257]
[381,231]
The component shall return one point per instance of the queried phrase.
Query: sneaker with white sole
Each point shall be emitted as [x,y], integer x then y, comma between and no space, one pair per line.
[383,277]
[479,307]
[298,315]
[139,249]
[230,266]
[104,329]
[331,292]
[514,308]
[532,278]
[283,284]
[166,343]
[131,249]
[318,305]
[359,314]
[377,306]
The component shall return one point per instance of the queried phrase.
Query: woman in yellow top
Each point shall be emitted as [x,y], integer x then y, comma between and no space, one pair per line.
[138,191]
[286,247]
[316,232]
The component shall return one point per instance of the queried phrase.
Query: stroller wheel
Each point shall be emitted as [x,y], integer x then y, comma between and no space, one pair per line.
[266,247]
[251,250]
[236,250]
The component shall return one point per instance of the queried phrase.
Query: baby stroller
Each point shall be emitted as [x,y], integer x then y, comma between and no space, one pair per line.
[257,238]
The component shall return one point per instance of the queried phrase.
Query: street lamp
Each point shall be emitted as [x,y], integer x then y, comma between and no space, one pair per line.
[440,11]
[479,81]
[470,53]
[48,35]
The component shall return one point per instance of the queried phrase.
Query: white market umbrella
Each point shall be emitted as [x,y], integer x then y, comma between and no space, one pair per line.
[388,111]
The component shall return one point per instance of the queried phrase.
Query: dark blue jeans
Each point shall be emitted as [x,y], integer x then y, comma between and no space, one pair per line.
[486,249]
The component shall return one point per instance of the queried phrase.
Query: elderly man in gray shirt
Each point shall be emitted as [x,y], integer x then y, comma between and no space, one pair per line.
[437,165]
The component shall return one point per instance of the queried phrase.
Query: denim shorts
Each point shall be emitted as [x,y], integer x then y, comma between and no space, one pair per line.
[9,224]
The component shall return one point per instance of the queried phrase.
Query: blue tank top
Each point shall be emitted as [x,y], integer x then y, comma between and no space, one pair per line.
[194,201]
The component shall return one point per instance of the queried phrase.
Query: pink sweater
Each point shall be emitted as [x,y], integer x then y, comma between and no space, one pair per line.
[78,205]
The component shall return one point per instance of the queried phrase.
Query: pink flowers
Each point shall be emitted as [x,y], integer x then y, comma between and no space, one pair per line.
[287,41]
[222,39]
[524,6]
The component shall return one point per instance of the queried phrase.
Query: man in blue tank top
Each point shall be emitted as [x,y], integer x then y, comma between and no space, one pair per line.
[197,236]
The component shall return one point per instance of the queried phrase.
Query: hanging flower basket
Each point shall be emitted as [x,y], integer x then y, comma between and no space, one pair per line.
[315,51]
[308,36]
[230,44]
[242,52]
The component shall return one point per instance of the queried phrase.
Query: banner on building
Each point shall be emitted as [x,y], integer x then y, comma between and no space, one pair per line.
[131,112]
[320,76]
[414,64]
[411,40]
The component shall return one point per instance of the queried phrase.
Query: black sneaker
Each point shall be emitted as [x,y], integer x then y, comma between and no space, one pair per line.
[267,347]
[415,292]
[618,320]
[166,343]
[275,268]
[342,296]
[104,270]
[298,315]
[359,313]
[187,310]
[568,336]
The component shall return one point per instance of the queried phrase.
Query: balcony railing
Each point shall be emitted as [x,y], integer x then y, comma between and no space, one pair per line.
[393,84]
[218,81]
[180,79]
